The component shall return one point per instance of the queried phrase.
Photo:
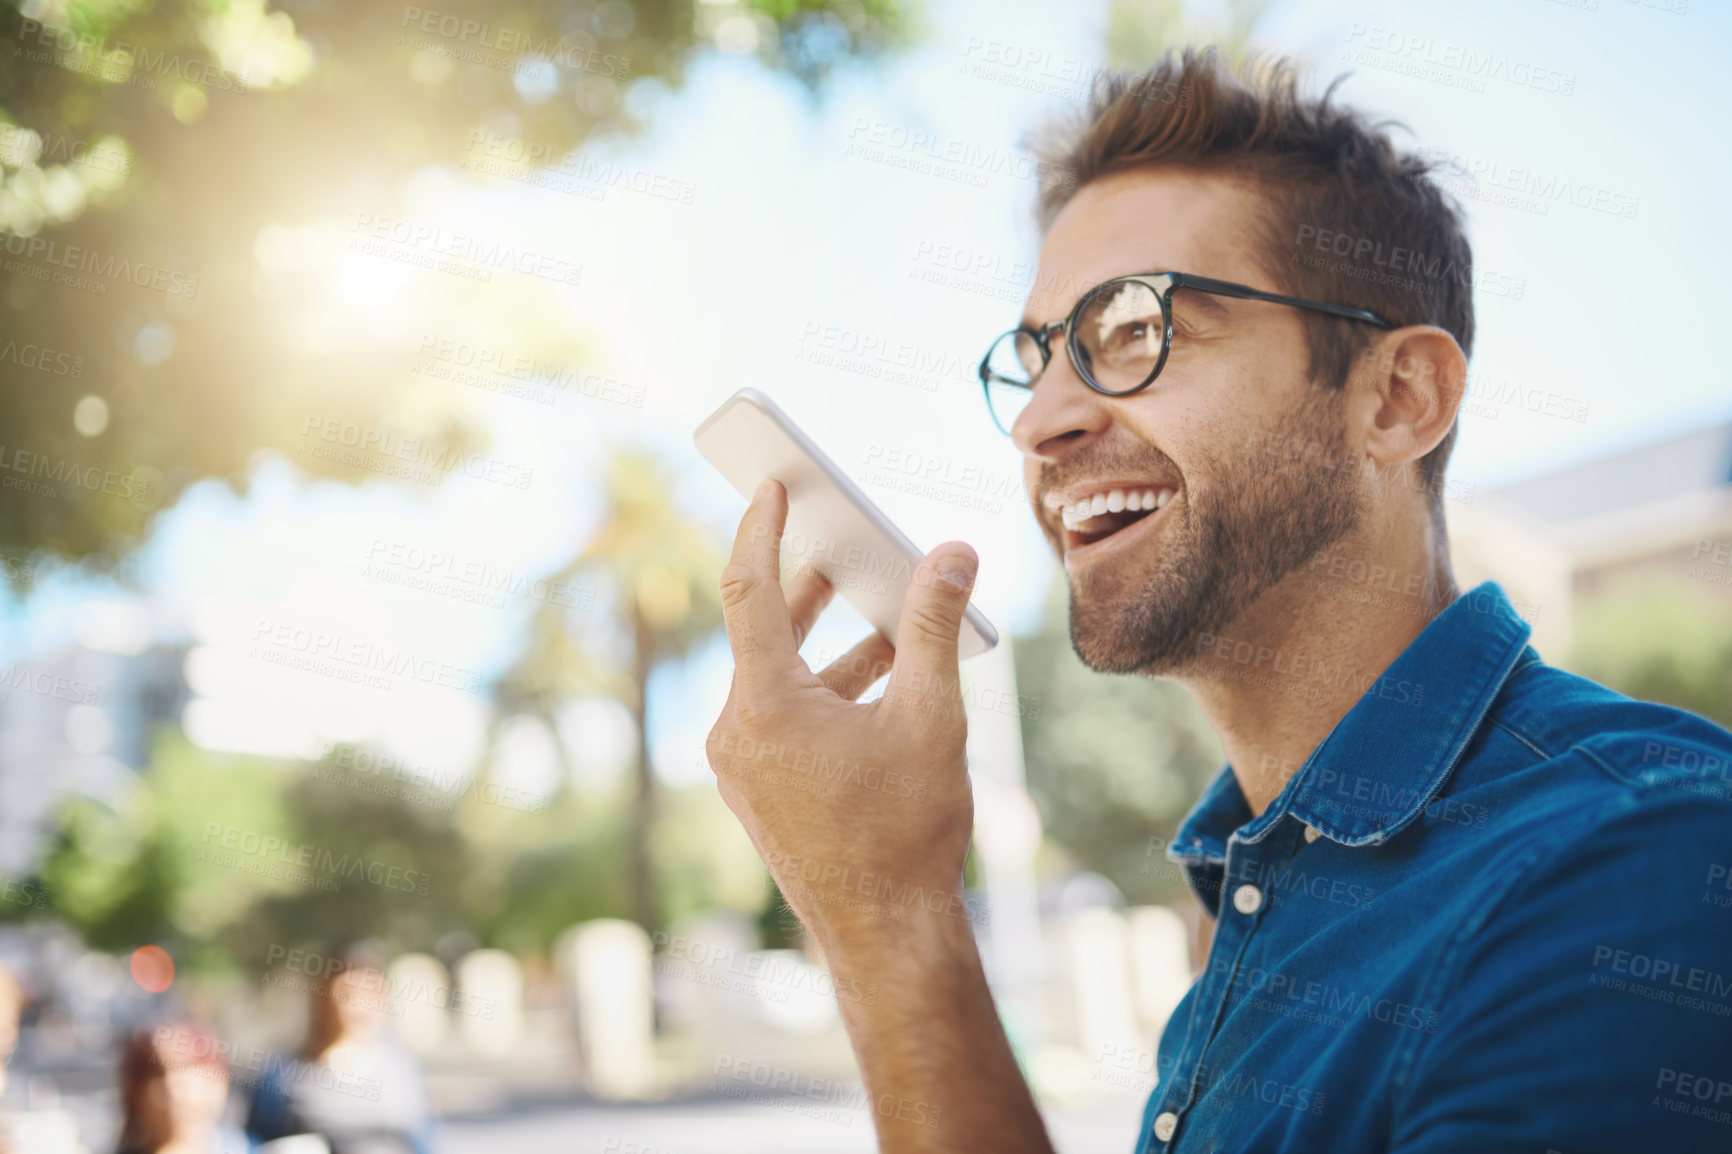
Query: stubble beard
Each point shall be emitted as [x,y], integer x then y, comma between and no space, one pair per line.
[1244,524]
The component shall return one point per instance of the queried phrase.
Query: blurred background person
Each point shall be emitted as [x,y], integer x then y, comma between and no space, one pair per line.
[11,1007]
[174,1086]
[24,1130]
[353,1082]
[12,999]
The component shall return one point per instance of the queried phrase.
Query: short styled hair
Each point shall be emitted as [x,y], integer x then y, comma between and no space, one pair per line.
[1349,219]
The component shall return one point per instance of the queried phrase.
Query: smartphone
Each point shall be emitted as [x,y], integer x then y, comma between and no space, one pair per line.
[832,526]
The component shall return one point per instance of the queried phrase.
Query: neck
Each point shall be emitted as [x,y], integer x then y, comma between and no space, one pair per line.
[1279,678]
[191,1139]
[363,1040]
[322,1052]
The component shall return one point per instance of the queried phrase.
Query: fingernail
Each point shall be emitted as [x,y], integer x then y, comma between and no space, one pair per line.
[763,490]
[956,572]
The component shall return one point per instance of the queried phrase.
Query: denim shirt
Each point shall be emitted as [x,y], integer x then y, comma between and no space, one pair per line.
[1491,912]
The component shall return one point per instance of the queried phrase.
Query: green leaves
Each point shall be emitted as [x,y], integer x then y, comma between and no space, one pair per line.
[177,178]
[1112,761]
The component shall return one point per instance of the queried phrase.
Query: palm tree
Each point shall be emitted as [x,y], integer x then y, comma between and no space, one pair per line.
[657,574]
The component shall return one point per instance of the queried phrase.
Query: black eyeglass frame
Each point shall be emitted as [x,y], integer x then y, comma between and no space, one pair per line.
[1163,284]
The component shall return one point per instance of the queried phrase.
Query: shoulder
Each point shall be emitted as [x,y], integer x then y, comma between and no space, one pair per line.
[1610,836]
[1611,819]
[1605,912]
[1561,759]
[1557,712]
[269,1113]
[1610,796]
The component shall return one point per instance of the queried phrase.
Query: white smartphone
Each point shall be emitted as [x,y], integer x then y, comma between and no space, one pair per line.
[832,526]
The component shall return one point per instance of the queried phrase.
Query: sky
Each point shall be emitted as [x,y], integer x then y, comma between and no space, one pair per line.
[833,257]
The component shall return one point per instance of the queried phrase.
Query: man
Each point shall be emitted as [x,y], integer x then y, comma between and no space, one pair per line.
[1462,900]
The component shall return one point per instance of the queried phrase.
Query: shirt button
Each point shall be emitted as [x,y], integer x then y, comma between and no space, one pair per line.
[1312,833]
[1247,899]
[1165,1125]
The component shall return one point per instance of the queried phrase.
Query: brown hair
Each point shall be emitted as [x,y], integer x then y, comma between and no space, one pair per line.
[144,1058]
[1324,173]
[324,1019]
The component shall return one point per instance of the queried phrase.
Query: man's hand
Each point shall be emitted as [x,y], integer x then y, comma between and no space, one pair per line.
[862,811]
[863,814]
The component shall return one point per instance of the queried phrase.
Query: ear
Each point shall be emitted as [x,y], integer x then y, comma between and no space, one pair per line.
[1405,389]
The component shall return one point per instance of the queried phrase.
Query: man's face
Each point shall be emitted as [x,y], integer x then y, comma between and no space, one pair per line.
[1144,585]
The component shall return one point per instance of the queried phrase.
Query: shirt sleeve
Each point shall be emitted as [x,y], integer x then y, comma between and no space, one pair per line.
[1589,1007]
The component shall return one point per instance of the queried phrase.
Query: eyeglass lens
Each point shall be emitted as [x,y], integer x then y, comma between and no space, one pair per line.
[1119,333]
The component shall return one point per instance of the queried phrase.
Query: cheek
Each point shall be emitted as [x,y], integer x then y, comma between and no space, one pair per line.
[1246,387]
[1189,426]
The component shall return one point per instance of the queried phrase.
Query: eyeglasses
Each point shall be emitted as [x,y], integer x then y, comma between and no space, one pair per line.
[1118,337]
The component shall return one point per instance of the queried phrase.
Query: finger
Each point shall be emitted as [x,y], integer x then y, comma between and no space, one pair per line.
[925,677]
[753,608]
[853,673]
[808,595]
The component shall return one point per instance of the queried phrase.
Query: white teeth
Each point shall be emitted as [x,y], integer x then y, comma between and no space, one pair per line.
[1114,501]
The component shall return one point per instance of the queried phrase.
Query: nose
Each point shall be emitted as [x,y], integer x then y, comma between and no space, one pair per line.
[1063,412]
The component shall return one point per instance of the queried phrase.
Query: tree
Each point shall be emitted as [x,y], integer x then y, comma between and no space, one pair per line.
[173,180]
[660,576]
[1113,762]
[218,856]
[1665,639]
[1139,32]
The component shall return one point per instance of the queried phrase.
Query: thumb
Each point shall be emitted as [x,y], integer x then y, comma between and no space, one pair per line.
[924,675]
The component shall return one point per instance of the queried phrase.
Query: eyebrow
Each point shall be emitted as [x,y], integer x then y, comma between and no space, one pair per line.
[1195,299]
[1206,302]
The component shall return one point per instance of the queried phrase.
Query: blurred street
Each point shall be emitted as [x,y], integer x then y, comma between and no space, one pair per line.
[709,1126]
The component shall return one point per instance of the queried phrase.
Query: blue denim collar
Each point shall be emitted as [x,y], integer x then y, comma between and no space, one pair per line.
[1389,757]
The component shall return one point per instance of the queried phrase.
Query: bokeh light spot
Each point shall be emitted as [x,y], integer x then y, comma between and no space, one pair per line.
[90,415]
[190,103]
[536,80]
[152,968]
[430,68]
[737,34]
[154,343]
[615,18]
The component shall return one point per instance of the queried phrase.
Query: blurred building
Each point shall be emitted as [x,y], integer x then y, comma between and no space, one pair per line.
[78,721]
[1663,509]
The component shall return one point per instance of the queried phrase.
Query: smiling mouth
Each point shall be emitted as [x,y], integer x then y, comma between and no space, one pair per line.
[1099,517]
